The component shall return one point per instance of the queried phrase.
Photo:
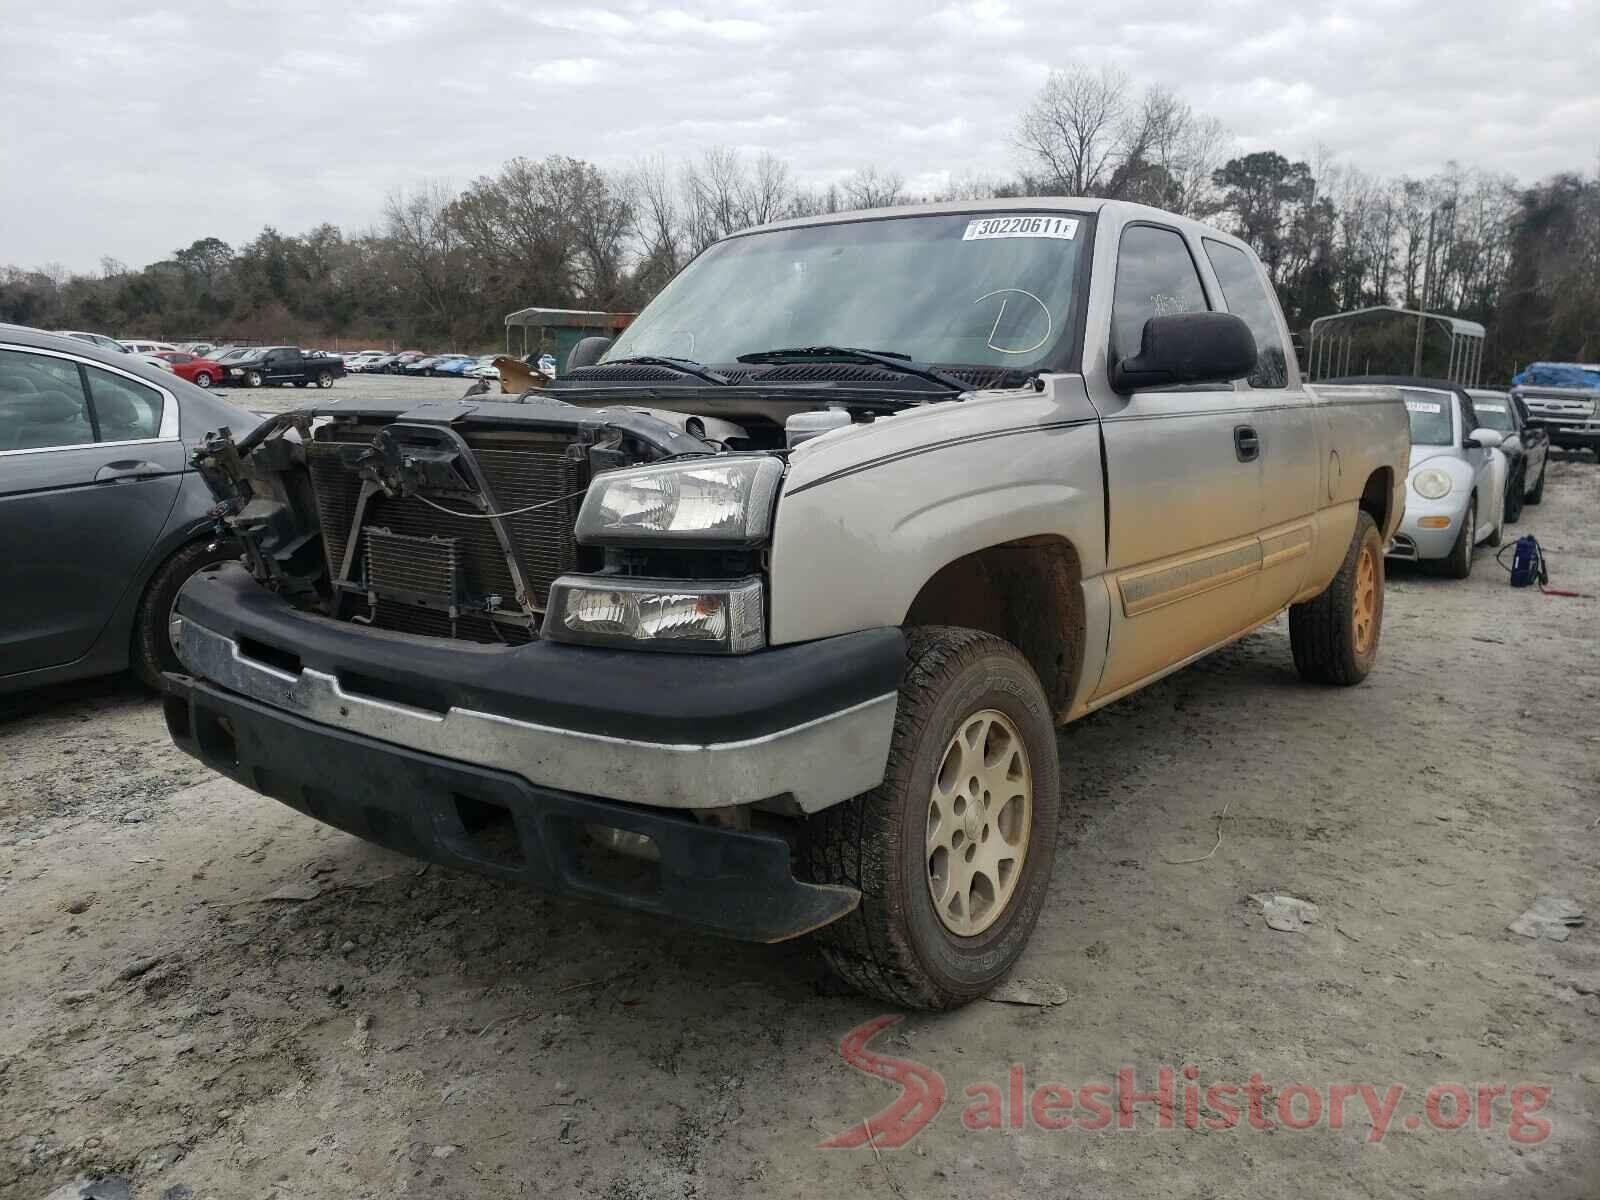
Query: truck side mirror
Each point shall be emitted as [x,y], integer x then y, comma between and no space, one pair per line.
[1196,347]
[587,352]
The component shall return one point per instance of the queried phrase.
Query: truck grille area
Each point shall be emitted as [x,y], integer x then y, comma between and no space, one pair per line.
[437,573]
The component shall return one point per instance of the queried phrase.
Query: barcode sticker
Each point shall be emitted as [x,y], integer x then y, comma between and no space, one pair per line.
[1064,228]
[1424,406]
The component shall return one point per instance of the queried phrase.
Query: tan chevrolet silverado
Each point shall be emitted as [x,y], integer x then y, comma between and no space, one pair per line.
[763,617]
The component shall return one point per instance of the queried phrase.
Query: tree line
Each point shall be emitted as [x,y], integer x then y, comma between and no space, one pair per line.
[443,266]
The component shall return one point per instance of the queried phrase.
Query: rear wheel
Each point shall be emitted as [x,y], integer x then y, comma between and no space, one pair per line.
[202,379]
[152,652]
[1334,637]
[953,851]
[325,379]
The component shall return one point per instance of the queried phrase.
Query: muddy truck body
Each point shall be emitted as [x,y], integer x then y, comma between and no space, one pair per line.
[765,621]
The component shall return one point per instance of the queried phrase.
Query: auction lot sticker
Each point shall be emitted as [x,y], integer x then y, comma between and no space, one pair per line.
[1424,406]
[986,228]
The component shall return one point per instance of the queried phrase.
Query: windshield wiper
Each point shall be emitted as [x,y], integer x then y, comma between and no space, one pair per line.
[684,366]
[892,359]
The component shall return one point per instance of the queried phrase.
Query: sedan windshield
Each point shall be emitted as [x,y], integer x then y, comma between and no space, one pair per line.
[1430,417]
[981,289]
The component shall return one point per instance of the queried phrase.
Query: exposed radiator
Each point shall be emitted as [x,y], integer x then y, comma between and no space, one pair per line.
[413,572]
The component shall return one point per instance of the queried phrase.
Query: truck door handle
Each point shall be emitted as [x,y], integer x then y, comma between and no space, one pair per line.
[1246,444]
[127,468]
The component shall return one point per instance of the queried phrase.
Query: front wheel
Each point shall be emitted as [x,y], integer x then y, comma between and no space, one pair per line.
[1459,564]
[1537,495]
[953,851]
[152,652]
[1334,637]
[254,379]
[202,379]
[1514,494]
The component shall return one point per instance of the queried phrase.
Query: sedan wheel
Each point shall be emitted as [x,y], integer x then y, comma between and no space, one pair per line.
[253,379]
[202,379]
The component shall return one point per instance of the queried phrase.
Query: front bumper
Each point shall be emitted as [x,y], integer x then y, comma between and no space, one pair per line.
[805,726]
[494,823]
[1413,543]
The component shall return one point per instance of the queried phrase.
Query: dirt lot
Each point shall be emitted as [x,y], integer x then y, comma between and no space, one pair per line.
[405,1031]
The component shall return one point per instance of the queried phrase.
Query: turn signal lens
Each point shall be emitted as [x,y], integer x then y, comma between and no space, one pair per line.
[1434,522]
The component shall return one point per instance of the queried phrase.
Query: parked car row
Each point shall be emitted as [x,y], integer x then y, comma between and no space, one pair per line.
[1476,459]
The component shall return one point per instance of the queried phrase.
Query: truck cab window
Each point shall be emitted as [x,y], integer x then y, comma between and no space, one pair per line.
[1156,277]
[1246,296]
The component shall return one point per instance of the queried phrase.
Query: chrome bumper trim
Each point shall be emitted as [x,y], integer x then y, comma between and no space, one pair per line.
[819,762]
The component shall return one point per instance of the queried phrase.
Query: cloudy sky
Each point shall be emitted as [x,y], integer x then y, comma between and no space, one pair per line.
[133,129]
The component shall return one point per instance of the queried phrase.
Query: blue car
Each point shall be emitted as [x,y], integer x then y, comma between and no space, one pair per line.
[454,364]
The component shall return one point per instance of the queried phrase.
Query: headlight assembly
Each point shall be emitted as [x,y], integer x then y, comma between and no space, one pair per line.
[657,614]
[1432,483]
[723,500]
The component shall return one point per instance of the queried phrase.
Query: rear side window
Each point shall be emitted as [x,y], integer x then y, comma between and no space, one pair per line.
[41,402]
[126,409]
[1247,298]
[1155,278]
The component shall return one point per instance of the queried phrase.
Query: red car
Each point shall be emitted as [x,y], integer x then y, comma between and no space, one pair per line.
[197,370]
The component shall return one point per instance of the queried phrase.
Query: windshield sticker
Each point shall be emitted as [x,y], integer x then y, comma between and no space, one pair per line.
[986,228]
[1424,406]
[1028,314]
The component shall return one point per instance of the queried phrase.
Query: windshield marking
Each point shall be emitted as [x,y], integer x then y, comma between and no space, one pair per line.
[1049,321]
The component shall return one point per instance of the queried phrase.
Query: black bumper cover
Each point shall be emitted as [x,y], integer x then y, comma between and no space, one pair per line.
[733,883]
[652,697]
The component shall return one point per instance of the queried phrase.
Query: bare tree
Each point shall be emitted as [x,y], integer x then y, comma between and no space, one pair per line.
[868,187]
[1074,128]
[419,228]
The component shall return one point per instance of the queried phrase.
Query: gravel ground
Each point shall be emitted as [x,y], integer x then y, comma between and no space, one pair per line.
[382,1030]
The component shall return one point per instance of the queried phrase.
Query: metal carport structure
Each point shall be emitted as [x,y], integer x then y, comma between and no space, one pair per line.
[1331,345]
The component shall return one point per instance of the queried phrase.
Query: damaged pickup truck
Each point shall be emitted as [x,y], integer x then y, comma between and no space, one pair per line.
[765,620]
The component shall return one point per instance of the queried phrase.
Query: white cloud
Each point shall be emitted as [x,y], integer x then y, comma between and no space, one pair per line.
[131,134]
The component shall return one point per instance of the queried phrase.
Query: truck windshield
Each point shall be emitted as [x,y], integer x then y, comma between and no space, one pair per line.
[1430,417]
[987,289]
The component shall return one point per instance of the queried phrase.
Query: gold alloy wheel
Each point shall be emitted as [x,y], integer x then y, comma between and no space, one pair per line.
[1366,602]
[979,817]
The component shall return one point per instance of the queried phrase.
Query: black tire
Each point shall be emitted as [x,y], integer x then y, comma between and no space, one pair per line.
[1537,495]
[1514,494]
[254,379]
[895,946]
[325,379]
[151,651]
[202,379]
[1499,534]
[1459,564]
[1325,632]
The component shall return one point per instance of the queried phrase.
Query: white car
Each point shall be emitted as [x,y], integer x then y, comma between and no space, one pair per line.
[139,347]
[116,347]
[485,368]
[1456,483]
[360,362]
